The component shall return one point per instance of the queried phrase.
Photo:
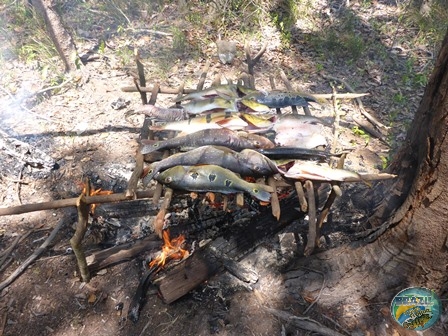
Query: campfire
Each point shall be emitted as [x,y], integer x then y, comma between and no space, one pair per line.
[172,249]
[248,176]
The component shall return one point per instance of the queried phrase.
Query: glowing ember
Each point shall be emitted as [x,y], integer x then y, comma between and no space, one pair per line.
[171,249]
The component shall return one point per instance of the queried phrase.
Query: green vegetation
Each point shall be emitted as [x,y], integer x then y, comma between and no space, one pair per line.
[361,133]
[340,40]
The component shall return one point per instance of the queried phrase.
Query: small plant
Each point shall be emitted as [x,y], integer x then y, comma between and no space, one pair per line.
[384,162]
[361,133]
[399,98]
[179,40]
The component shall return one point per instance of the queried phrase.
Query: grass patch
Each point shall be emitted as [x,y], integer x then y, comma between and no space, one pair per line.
[340,40]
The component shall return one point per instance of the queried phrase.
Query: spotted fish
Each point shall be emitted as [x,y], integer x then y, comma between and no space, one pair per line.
[280,99]
[246,163]
[211,178]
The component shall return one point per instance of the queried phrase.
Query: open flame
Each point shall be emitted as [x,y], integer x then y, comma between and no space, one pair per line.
[94,192]
[171,249]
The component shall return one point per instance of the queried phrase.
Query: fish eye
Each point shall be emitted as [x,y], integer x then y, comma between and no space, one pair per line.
[256,191]
[169,179]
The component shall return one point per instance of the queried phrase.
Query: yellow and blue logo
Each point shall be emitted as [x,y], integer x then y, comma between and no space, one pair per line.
[416,308]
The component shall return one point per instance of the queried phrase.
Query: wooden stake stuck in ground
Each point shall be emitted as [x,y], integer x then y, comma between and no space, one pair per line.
[78,236]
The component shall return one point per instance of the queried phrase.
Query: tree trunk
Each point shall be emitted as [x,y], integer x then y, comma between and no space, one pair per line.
[362,279]
[62,40]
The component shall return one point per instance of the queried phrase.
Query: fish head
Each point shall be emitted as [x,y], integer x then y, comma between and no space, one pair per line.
[151,171]
[260,164]
[171,175]
[257,141]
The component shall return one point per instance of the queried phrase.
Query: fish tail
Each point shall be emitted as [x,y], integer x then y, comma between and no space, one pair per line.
[261,191]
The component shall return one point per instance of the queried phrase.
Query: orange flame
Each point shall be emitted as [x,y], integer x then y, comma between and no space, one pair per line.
[171,249]
[94,192]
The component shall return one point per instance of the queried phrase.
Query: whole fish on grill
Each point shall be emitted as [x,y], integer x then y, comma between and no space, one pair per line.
[294,153]
[295,130]
[211,178]
[226,91]
[210,104]
[236,140]
[306,170]
[280,99]
[246,163]
[215,120]
[163,114]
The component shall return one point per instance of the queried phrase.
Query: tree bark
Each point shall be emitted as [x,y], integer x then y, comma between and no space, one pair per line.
[61,38]
[413,251]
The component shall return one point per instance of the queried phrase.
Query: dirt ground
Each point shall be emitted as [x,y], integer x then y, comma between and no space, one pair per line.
[81,132]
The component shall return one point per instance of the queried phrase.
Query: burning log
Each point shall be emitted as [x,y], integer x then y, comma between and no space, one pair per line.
[171,249]
[234,244]
[121,253]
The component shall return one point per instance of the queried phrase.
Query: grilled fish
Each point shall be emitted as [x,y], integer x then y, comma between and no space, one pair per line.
[164,114]
[278,153]
[226,91]
[246,163]
[296,130]
[212,178]
[210,104]
[215,120]
[220,137]
[280,99]
[295,138]
[305,170]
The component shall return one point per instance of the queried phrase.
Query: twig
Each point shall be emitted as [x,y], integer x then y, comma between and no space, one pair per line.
[122,13]
[141,76]
[275,204]
[60,86]
[339,95]
[7,92]
[25,208]
[5,254]
[305,323]
[19,177]
[312,224]
[372,119]
[151,31]
[81,228]
[161,89]
[290,88]
[301,196]
[337,118]
[203,76]
[337,324]
[160,218]
[318,295]
[33,257]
